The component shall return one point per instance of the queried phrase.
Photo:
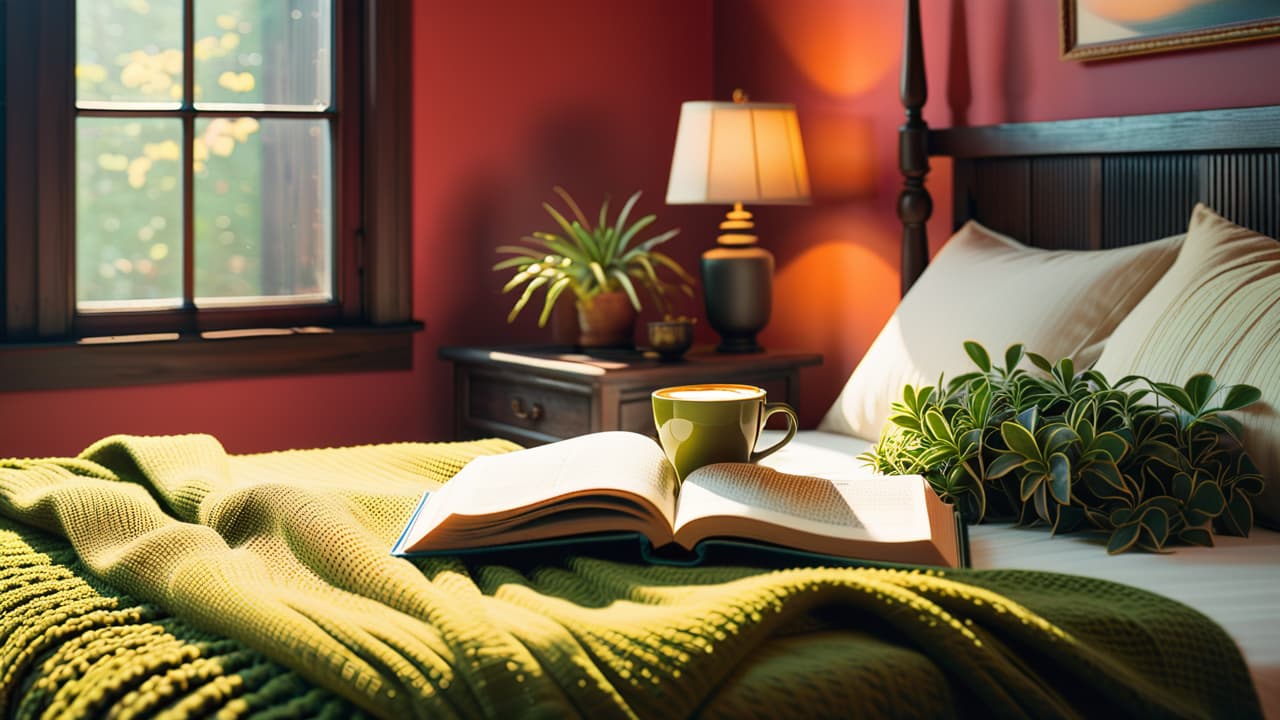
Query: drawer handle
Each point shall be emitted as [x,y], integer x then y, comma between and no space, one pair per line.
[534,413]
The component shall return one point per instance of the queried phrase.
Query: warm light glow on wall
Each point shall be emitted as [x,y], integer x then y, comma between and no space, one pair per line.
[847,166]
[844,47]
[846,278]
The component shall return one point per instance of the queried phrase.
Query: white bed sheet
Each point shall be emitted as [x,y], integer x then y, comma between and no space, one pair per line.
[1236,583]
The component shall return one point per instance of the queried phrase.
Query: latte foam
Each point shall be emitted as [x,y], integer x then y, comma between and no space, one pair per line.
[710,393]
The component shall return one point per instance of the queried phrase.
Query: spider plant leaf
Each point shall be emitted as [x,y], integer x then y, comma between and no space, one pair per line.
[630,232]
[565,248]
[553,294]
[588,242]
[560,219]
[1239,396]
[539,236]
[630,289]
[568,200]
[667,262]
[521,277]
[603,223]
[626,211]
[524,297]
[523,261]
[598,272]
[978,355]
[609,243]
[649,277]
[521,250]
[656,240]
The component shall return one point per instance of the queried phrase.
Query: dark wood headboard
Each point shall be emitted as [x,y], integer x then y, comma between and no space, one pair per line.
[1087,184]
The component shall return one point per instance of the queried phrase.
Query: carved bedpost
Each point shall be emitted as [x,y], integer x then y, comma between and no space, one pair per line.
[914,204]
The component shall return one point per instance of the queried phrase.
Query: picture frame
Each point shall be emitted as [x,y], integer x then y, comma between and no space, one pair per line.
[1105,29]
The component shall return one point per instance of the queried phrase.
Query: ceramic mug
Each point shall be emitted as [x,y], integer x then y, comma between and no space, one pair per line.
[717,422]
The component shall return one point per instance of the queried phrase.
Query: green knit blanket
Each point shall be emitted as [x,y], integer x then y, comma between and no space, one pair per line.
[163,577]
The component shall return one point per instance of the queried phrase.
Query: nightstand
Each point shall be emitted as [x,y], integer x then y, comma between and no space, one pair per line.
[540,394]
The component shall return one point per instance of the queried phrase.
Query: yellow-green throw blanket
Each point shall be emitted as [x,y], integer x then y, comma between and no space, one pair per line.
[164,577]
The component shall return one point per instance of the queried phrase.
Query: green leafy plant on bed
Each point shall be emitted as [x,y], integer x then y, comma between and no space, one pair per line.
[1148,463]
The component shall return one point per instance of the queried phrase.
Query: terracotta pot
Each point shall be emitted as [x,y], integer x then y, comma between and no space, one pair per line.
[606,320]
[564,323]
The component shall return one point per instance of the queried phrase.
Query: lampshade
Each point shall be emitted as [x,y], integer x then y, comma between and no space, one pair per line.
[738,152]
[734,153]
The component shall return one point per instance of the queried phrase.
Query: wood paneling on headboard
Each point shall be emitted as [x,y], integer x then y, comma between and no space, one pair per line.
[1096,182]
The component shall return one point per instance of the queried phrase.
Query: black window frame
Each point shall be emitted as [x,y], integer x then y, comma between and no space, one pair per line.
[45,344]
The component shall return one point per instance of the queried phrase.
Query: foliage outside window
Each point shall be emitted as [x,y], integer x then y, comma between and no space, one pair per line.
[246,122]
[202,169]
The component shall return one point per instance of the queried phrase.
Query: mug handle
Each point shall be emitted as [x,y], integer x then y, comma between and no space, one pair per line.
[792,424]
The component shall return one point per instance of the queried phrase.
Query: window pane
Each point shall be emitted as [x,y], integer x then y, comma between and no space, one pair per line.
[128,213]
[263,211]
[263,53]
[129,53]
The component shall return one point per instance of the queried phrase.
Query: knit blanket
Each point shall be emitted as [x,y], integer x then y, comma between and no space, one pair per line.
[165,577]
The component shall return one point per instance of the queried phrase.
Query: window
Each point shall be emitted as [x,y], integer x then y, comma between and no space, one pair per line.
[218,188]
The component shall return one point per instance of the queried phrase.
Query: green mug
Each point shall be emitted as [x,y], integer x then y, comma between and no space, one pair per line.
[716,422]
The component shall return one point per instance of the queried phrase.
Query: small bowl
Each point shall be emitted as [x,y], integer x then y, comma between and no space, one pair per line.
[670,338]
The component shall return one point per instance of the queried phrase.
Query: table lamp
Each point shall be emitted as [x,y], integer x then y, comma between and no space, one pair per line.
[734,153]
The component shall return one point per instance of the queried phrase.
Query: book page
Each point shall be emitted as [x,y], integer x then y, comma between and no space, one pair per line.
[539,482]
[844,513]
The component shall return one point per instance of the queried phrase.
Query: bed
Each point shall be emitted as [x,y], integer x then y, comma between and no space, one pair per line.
[165,577]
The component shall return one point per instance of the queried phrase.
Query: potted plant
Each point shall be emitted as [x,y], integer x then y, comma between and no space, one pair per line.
[1145,463]
[600,264]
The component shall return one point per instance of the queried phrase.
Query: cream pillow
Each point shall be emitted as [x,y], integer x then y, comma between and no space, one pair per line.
[987,287]
[1217,310]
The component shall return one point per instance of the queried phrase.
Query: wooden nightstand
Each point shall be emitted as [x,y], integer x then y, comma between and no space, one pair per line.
[534,395]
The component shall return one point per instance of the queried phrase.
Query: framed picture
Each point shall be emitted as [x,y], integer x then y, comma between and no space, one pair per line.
[1098,29]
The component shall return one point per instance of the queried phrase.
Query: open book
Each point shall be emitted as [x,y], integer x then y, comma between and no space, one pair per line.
[620,482]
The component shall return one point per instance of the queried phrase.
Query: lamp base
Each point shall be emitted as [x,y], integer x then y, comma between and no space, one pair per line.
[739,345]
[736,283]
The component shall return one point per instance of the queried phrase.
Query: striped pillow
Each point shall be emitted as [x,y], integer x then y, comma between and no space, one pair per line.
[1216,310]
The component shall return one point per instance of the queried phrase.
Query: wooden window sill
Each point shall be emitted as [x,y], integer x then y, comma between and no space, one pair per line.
[173,357]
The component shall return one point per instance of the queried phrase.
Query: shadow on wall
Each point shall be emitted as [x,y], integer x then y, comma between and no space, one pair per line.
[1015,72]
[503,206]
[959,88]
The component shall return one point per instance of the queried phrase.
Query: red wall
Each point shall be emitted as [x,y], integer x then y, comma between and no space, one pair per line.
[510,98]
[989,61]
[513,97]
